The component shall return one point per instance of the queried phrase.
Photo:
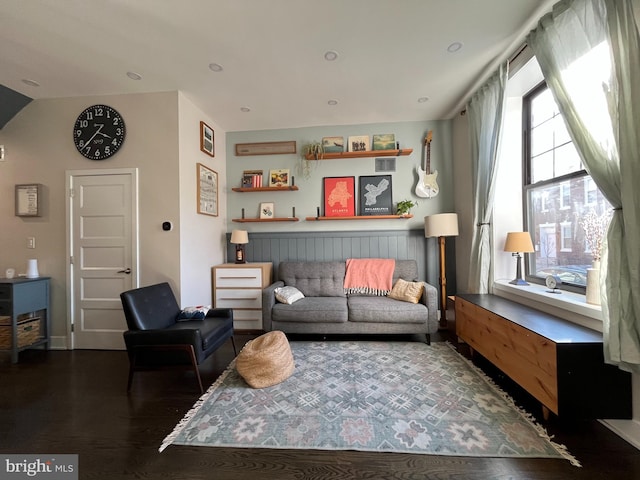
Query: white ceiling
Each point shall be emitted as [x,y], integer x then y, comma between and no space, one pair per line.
[391,52]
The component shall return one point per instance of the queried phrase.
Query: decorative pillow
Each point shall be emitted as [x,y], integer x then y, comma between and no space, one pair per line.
[288,295]
[193,313]
[406,291]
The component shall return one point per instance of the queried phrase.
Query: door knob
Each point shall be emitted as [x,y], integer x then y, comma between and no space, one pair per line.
[126,270]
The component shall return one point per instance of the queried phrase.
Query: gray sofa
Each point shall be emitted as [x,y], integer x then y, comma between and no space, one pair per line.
[326,309]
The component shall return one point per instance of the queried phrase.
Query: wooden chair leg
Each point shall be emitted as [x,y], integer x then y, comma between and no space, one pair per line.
[194,362]
[132,364]
[233,342]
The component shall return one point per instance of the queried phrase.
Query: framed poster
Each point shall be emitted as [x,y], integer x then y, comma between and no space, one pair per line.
[339,196]
[207,190]
[206,139]
[375,195]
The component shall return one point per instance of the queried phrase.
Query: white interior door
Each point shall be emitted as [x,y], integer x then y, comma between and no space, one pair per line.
[103,254]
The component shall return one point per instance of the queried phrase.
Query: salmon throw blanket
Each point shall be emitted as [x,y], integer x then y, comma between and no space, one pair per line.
[372,276]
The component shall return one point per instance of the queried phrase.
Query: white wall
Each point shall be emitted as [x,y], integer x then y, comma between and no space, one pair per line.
[40,149]
[202,237]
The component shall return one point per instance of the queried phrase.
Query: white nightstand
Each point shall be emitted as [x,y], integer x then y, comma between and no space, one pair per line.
[239,286]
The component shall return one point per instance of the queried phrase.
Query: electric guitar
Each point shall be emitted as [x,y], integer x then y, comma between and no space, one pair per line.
[427,186]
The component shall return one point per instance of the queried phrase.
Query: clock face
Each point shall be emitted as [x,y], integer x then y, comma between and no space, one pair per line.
[552,281]
[99,132]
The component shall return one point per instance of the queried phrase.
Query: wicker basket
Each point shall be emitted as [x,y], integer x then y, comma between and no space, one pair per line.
[28,332]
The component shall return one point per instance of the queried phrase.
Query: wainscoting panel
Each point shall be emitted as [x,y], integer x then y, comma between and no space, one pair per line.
[276,247]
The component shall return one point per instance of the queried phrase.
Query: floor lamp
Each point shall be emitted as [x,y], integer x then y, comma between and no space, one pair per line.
[442,225]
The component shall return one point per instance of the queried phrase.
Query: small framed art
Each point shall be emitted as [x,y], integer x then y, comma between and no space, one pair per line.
[333,144]
[375,195]
[279,178]
[206,139]
[385,141]
[359,143]
[207,190]
[339,196]
[267,210]
[28,200]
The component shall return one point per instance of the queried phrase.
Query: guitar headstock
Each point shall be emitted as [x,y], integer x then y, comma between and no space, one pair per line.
[427,139]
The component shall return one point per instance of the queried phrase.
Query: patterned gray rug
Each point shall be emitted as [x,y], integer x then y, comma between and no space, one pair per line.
[372,396]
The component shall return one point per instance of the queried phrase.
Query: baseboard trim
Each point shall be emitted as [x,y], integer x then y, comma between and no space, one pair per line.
[629,430]
[58,343]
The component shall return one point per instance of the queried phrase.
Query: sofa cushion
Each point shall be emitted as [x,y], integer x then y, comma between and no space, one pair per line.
[312,310]
[385,310]
[406,269]
[314,279]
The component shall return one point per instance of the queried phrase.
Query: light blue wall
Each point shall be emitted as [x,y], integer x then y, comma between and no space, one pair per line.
[309,197]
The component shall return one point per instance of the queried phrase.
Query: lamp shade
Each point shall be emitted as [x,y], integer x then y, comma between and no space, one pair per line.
[239,236]
[518,242]
[441,225]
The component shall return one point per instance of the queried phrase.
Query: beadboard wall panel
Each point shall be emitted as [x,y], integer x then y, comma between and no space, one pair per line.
[276,247]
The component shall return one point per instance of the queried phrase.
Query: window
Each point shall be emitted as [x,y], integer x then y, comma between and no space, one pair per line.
[558,194]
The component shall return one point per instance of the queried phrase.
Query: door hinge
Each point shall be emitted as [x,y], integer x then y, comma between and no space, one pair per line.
[71,192]
[73,325]
[71,259]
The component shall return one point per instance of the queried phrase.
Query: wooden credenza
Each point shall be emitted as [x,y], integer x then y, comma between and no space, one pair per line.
[559,363]
[239,286]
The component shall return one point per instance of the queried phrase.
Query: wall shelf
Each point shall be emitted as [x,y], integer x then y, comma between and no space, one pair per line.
[265,189]
[361,217]
[257,220]
[369,153]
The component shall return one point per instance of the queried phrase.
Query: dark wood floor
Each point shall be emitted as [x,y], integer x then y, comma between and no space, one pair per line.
[75,402]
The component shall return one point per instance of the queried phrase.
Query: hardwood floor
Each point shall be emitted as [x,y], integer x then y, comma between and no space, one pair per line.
[76,402]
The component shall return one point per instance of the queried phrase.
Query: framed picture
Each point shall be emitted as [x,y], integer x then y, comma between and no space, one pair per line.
[279,178]
[375,195]
[207,190]
[265,148]
[359,143]
[333,144]
[206,139]
[267,210]
[339,196]
[385,141]
[28,200]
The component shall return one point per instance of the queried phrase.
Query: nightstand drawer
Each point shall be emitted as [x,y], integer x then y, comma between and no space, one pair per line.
[239,277]
[249,298]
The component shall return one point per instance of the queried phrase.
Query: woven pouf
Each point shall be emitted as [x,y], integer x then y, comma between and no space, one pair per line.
[266,361]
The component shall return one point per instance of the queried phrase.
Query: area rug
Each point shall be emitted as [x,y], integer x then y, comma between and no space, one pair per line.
[404,397]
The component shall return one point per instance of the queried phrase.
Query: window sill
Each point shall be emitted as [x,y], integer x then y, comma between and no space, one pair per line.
[568,305]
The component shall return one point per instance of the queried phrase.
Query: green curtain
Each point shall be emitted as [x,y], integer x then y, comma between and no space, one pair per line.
[485,111]
[589,55]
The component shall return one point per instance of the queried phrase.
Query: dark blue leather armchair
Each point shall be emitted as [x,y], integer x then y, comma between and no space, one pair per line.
[155,338]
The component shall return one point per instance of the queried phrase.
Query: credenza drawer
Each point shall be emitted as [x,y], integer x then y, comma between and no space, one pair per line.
[238,277]
[242,298]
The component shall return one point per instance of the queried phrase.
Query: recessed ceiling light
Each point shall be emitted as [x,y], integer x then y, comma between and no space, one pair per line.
[423,99]
[331,55]
[245,109]
[134,76]
[332,102]
[31,83]
[215,67]
[454,47]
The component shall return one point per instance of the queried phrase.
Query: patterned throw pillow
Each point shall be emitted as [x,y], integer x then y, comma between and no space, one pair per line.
[193,313]
[406,291]
[288,295]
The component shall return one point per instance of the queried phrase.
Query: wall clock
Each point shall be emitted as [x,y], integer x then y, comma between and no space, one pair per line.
[99,132]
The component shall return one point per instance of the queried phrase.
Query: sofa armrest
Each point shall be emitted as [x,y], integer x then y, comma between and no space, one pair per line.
[430,299]
[268,301]
[220,313]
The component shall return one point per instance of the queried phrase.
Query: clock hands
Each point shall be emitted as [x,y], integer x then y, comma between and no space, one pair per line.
[100,125]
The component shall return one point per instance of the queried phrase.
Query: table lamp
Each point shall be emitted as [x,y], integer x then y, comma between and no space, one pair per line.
[518,243]
[442,225]
[240,238]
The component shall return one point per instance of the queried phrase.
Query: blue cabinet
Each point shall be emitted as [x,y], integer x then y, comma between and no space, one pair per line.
[22,298]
